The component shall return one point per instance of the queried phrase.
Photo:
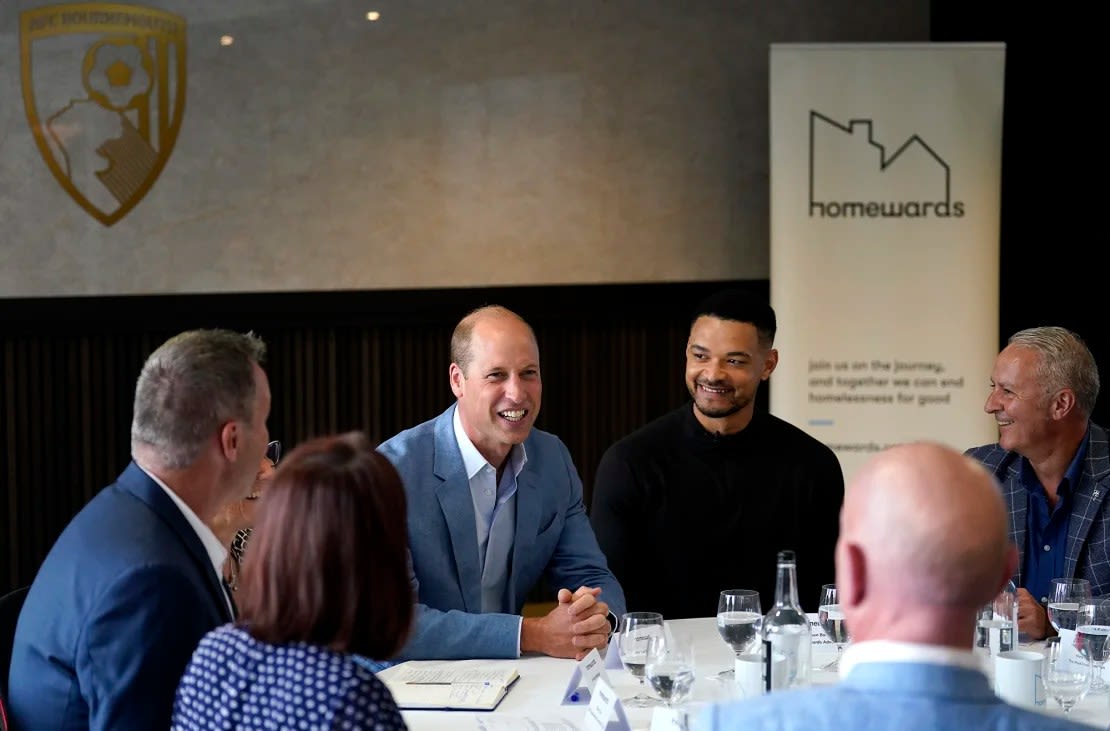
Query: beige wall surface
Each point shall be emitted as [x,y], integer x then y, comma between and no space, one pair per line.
[502,142]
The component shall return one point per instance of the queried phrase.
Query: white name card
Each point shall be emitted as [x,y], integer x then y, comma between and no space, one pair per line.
[605,703]
[669,719]
[586,671]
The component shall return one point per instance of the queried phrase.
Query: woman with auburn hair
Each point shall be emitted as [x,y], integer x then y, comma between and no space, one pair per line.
[326,578]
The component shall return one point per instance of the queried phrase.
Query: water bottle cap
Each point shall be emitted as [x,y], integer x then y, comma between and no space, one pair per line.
[786,556]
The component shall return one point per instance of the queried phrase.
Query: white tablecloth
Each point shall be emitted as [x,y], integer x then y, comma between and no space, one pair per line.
[539,691]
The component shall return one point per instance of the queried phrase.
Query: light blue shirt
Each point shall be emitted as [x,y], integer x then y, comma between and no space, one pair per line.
[494,516]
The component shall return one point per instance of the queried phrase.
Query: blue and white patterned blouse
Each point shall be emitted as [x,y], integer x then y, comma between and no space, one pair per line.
[236,682]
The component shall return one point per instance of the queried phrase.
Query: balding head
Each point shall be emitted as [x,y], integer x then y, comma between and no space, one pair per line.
[923,542]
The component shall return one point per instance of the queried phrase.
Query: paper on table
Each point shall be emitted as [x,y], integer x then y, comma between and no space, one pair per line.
[460,684]
[524,723]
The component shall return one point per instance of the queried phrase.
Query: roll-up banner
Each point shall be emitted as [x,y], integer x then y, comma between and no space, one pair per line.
[885,178]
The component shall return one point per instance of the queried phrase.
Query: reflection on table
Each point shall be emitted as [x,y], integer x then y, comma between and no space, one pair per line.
[538,693]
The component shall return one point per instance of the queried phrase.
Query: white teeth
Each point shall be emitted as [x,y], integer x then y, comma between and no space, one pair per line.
[714,390]
[515,415]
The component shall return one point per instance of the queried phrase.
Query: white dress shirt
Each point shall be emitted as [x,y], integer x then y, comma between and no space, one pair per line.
[217,554]
[889,651]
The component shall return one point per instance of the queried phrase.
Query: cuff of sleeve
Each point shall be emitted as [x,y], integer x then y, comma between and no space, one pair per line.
[519,628]
[612,623]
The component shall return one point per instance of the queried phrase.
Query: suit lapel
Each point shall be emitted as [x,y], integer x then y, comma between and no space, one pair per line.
[1018,500]
[138,483]
[458,510]
[528,504]
[1088,497]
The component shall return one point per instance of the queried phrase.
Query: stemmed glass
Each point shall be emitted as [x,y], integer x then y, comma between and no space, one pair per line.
[1067,598]
[831,618]
[670,667]
[637,629]
[1066,679]
[1091,641]
[739,621]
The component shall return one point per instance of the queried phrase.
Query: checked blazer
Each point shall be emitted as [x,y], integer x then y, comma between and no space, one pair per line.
[1087,554]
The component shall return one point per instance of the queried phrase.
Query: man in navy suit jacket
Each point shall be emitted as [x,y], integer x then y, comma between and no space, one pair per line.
[922,548]
[1053,463]
[132,584]
[494,505]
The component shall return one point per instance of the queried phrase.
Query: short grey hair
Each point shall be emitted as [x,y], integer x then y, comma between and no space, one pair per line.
[1064,362]
[189,386]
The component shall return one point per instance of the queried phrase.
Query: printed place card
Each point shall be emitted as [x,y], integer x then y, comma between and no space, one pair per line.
[605,704]
[586,671]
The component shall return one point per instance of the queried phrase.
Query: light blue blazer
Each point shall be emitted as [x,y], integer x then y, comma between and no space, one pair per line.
[886,697]
[553,539]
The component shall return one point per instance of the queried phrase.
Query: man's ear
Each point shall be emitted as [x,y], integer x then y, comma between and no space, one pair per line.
[1062,403]
[229,440]
[851,575]
[769,364]
[456,376]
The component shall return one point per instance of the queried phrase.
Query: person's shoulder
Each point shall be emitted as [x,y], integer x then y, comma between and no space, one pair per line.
[661,432]
[404,444]
[782,711]
[991,456]
[792,438]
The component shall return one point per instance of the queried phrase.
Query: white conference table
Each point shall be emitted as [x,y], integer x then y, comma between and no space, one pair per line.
[538,693]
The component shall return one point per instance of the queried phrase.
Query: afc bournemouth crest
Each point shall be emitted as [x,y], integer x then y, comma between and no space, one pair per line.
[104,92]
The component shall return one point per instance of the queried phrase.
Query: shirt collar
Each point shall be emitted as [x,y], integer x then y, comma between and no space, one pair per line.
[473,460]
[910,652]
[217,554]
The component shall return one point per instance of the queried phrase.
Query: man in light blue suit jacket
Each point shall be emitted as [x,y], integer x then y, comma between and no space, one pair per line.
[132,584]
[493,506]
[923,545]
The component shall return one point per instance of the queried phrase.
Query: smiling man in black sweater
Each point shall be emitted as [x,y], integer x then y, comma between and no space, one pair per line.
[703,498]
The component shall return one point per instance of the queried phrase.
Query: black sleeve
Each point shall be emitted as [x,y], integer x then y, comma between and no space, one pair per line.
[617,517]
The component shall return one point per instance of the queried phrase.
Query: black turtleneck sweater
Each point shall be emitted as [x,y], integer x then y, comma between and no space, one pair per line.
[682,513]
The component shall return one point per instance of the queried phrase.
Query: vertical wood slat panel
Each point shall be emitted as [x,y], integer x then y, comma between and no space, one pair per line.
[68,387]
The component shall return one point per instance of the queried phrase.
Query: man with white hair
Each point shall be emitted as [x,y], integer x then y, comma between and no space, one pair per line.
[1053,463]
[922,547]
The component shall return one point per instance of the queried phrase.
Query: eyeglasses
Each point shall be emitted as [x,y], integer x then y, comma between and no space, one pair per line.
[273,452]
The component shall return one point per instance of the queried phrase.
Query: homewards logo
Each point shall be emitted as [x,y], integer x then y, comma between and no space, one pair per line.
[852,176]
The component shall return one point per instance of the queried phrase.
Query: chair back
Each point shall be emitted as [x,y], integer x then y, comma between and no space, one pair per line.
[10,606]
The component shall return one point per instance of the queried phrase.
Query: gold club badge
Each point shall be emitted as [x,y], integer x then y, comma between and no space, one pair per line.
[104,92]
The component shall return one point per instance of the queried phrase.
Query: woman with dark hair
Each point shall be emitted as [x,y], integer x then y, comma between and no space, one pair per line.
[326,577]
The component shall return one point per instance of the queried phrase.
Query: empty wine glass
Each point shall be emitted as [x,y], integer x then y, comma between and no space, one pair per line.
[831,618]
[1066,598]
[739,621]
[1091,641]
[637,629]
[1066,676]
[670,667]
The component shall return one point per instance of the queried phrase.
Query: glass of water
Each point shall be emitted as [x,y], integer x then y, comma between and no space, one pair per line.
[1066,676]
[670,668]
[996,623]
[739,621]
[1091,641]
[637,629]
[831,618]
[1066,599]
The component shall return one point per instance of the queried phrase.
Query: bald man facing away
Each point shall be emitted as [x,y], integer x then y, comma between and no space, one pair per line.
[923,544]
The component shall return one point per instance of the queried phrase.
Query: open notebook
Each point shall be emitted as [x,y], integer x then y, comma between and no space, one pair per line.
[470,685]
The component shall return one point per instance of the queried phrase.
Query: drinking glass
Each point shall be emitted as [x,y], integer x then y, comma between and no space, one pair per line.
[637,629]
[1066,679]
[1091,641]
[670,667]
[1066,599]
[739,621]
[831,618]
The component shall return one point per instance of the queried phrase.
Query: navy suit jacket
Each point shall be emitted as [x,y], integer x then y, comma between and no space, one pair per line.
[114,614]
[886,696]
[1087,554]
[553,538]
